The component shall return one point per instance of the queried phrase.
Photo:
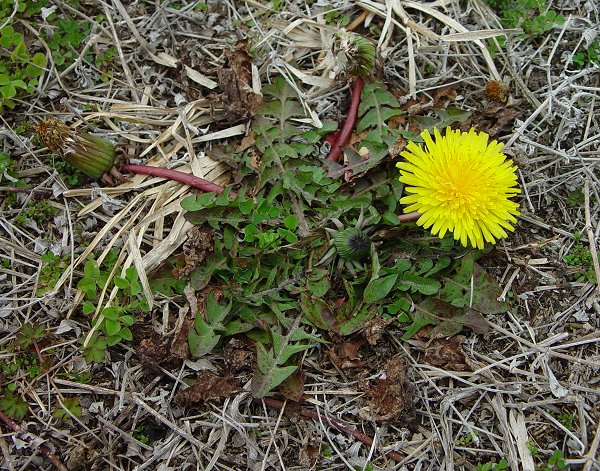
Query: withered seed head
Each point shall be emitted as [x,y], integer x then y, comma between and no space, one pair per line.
[496,90]
[54,134]
[92,155]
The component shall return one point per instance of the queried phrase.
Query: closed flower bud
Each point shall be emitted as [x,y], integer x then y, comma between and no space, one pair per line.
[352,244]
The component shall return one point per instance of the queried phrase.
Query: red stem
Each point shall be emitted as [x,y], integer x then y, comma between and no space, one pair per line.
[44,449]
[350,122]
[180,177]
[347,429]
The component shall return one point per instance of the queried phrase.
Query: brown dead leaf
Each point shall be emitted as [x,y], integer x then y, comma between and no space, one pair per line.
[208,386]
[247,141]
[345,355]
[152,349]
[494,119]
[293,387]
[391,397]
[196,248]
[447,353]
[444,94]
[239,355]
[179,345]
[239,99]
[375,328]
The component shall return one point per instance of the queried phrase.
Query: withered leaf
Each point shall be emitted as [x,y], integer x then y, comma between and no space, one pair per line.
[195,250]
[345,355]
[293,386]
[179,345]
[391,397]
[375,328]
[447,353]
[208,386]
[239,99]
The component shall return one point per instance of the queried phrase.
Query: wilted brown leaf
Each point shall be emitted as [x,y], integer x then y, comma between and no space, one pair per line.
[179,345]
[375,328]
[239,99]
[208,386]
[447,353]
[391,397]
[239,355]
[345,355]
[195,249]
[152,349]
[293,386]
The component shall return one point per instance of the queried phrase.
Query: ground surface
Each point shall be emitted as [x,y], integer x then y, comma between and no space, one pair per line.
[171,83]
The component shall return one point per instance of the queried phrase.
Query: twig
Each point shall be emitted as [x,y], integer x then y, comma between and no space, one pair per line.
[44,450]
[350,123]
[409,217]
[590,231]
[18,189]
[180,177]
[347,429]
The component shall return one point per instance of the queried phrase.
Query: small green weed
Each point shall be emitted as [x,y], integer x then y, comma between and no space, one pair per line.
[467,439]
[493,466]
[580,256]
[13,406]
[39,212]
[555,462]
[19,70]
[66,40]
[533,16]
[52,269]
[141,435]
[28,334]
[589,56]
[69,408]
[113,325]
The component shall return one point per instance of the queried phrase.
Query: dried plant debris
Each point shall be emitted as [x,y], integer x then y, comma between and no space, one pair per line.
[391,397]
[208,386]
[489,363]
[447,353]
[240,99]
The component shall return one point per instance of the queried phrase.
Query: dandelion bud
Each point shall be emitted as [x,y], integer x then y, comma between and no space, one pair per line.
[352,244]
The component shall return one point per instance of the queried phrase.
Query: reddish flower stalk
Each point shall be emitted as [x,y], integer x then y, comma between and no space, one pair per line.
[350,123]
[347,429]
[185,178]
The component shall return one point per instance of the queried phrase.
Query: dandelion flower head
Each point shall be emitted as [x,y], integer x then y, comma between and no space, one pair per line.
[460,183]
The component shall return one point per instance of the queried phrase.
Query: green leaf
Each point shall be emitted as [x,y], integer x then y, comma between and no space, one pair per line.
[291,222]
[88,308]
[216,313]
[121,283]
[112,327]
[378,289]
[376,117]
[91,270]
[13,406]
[358,321]
[96,349]
[482,295]
[198,202]
[415,283]
[318,312]
[202,339]
[420,319]
[8,90]
[126,334]
[110,313]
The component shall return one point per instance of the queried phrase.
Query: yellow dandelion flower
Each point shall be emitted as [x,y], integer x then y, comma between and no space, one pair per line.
[460,183]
